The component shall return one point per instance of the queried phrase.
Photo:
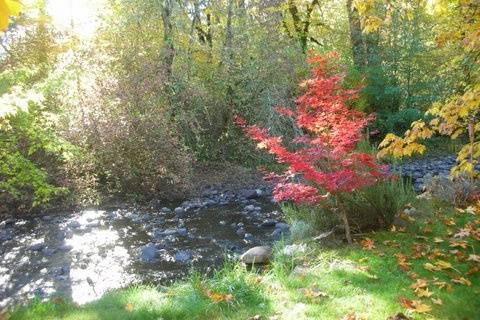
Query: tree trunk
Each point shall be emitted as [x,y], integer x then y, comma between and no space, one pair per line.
[169,53]
[348,234]
[356,37]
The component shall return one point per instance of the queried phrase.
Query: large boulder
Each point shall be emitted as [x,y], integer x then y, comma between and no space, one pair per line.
[259,255]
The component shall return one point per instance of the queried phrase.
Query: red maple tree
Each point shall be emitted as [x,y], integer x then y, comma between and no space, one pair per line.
[324,163]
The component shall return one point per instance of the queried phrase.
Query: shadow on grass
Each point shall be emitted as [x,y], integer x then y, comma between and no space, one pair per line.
[183,300]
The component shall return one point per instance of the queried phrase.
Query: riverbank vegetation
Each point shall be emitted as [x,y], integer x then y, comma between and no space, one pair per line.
[132,100]
[427,269]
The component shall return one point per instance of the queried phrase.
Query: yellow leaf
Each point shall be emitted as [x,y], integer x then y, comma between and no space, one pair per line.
[421,283]
[441,264]
[8,8]
[423,293]
[437,301]
[438,240]
[430,267]
[129,307]
[463,281]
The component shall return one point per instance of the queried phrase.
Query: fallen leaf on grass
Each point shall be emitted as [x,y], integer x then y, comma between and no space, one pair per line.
[367,244]
[430,267]
[462,280]
[438,240]
[437,301]
[449,222]
[435,254]
[423,293]
[129,307]
[415,305]
[461,244]
[402,261]
[474,258]
[419,284]
[439,265]
[314,293]
[472,270]
[217,297]
[443,285]
[462,233]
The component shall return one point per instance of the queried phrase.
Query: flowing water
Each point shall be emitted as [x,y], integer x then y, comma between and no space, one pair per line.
[82,255]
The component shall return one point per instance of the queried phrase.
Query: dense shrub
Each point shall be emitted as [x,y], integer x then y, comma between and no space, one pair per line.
[376,206]
[31,158]
[396,122]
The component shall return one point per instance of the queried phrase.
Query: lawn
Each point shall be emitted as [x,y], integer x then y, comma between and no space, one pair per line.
[429,270]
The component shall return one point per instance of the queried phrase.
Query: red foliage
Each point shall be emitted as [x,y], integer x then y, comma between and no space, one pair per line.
[325,157]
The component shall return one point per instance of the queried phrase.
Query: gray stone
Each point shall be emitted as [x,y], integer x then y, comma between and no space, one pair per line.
[248,237]
[148,253]
[166,210]
[65,247]
[249,208]
[261,254]
[74,224]
[169,232]
[183,256]
[267,223]
[240,232]
[283,226]
[179,212]
[182,232]
[251,194]
[37,247]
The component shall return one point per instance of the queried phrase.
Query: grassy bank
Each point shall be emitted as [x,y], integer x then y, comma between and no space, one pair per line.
[427,271]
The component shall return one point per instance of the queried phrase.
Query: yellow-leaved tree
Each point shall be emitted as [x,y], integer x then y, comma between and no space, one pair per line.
[8,8]
[458,116]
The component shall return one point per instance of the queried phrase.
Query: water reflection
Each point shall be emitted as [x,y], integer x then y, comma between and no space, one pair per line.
[83,255]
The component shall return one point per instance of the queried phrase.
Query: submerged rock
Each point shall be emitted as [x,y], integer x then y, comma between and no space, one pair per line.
[183,256]
[148,253]
[260,254]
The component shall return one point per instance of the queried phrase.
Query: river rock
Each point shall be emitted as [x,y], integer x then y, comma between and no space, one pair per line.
[240,232]
[282,226]
[148,253]
[74,224]
[182,232]
[249,208]
[267,223]
[183,256]
[252,194]
[179,212]
[248,237]
[166,210]
[37,247]
[260,254]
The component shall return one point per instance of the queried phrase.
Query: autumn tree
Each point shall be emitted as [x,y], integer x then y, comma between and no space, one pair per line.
[458,115]
[324,165]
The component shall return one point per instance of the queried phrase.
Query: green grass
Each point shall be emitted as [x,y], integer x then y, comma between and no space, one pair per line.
[368,283]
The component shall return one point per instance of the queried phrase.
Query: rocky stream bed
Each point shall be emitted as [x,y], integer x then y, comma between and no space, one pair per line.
[83,254]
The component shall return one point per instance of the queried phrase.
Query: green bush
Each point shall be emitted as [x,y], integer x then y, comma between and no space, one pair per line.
[376,206]
[396,122]
[369,208]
